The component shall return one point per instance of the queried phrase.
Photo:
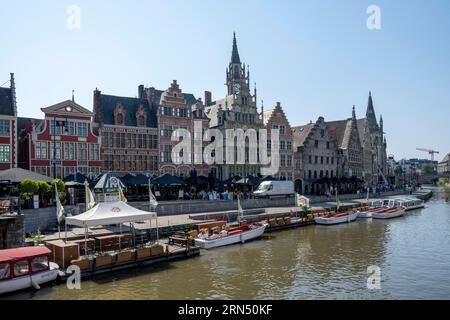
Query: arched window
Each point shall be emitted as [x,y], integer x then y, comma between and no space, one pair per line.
[309,174]
[321,173]
[326,173]
[315,174]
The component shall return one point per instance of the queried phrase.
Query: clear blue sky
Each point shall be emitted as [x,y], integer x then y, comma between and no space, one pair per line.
[315,57]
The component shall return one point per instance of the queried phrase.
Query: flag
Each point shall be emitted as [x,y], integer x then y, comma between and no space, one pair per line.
[59,207]
[90,198]
[122,195]
[240,211]
[153,201]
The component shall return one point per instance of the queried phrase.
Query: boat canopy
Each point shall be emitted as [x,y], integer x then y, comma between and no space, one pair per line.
[108,213]
[21,253]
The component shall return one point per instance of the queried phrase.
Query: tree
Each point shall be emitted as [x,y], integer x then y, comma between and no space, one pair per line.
[398,170]
[28,188]
[61,186]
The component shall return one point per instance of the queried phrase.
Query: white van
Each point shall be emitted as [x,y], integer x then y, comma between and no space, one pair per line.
[269,189]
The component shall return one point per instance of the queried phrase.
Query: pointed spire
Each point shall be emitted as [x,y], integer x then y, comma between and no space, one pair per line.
[370,114]
[235,53]
[353,113]
[73,95]
[262,111]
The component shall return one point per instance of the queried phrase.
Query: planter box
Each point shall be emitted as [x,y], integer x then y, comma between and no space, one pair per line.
[143,253]
[63,253]
[157,250]
[125,256]
[83,264]
[103,261]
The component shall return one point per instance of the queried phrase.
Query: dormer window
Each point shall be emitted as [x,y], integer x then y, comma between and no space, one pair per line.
[119,115]
[141,117]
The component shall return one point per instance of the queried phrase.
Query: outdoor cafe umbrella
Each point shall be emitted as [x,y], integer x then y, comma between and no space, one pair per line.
[168,181]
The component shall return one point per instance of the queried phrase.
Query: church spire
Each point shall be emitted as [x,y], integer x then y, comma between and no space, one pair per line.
[370,114]
[353,113]
[235,53]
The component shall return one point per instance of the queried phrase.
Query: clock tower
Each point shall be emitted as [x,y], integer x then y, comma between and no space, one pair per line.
[238,78]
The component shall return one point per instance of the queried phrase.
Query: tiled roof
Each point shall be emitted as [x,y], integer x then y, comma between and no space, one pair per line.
[300,134]
[6,103]
[131,106]
[340,132]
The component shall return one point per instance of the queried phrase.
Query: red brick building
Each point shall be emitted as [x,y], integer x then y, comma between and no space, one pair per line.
[62,144]
[8,126]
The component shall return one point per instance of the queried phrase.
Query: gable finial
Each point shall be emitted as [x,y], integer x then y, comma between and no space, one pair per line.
[73,95]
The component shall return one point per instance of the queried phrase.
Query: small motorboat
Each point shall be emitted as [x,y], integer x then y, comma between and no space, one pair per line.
[390,213]
[233,235]
[26,267]
[337,218]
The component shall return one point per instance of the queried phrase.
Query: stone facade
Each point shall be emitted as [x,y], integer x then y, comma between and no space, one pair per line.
[375,162]
[276,119]
[237,110]
[12,232]
[315,156]
[346,136]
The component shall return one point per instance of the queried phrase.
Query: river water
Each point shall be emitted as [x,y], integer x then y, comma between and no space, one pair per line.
[313,262]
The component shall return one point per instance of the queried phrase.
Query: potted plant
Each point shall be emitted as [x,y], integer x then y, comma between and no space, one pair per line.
[44,191]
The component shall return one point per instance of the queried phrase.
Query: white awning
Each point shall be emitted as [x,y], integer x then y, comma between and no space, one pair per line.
[107,213]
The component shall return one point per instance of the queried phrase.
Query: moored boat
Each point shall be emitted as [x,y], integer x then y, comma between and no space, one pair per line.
[390,213]
[337,218]
[232,236]
[411,203]
[26,267]
[368,213]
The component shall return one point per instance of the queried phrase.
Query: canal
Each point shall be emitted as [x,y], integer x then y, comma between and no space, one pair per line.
[314,262]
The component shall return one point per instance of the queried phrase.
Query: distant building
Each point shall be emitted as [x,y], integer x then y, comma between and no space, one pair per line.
[61,144]
[315,156]
[8,126]
[346,136]
[444,166]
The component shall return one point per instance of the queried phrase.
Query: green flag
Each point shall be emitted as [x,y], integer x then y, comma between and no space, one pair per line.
[153,201]
[59,207]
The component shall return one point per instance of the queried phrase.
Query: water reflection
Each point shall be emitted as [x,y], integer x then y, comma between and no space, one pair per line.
[314,262]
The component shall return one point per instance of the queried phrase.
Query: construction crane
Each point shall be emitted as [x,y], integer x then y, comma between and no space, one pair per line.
[430,152]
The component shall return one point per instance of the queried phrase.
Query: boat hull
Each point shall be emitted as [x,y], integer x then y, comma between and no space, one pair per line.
[336,220]
[389,215]
[419,206]
[29,281]
[233,239]
[365,214]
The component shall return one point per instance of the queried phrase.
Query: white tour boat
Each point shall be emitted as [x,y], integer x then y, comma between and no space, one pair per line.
[234,235]
[411,203]
[374,206]
[337,218]
[390,213]
[26,267]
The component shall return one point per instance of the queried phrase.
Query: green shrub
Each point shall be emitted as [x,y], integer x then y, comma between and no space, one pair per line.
[28,188]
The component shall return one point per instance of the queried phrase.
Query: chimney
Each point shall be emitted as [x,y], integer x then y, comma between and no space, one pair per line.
[208,98]
[98,114]
[141,92]
[13,94]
